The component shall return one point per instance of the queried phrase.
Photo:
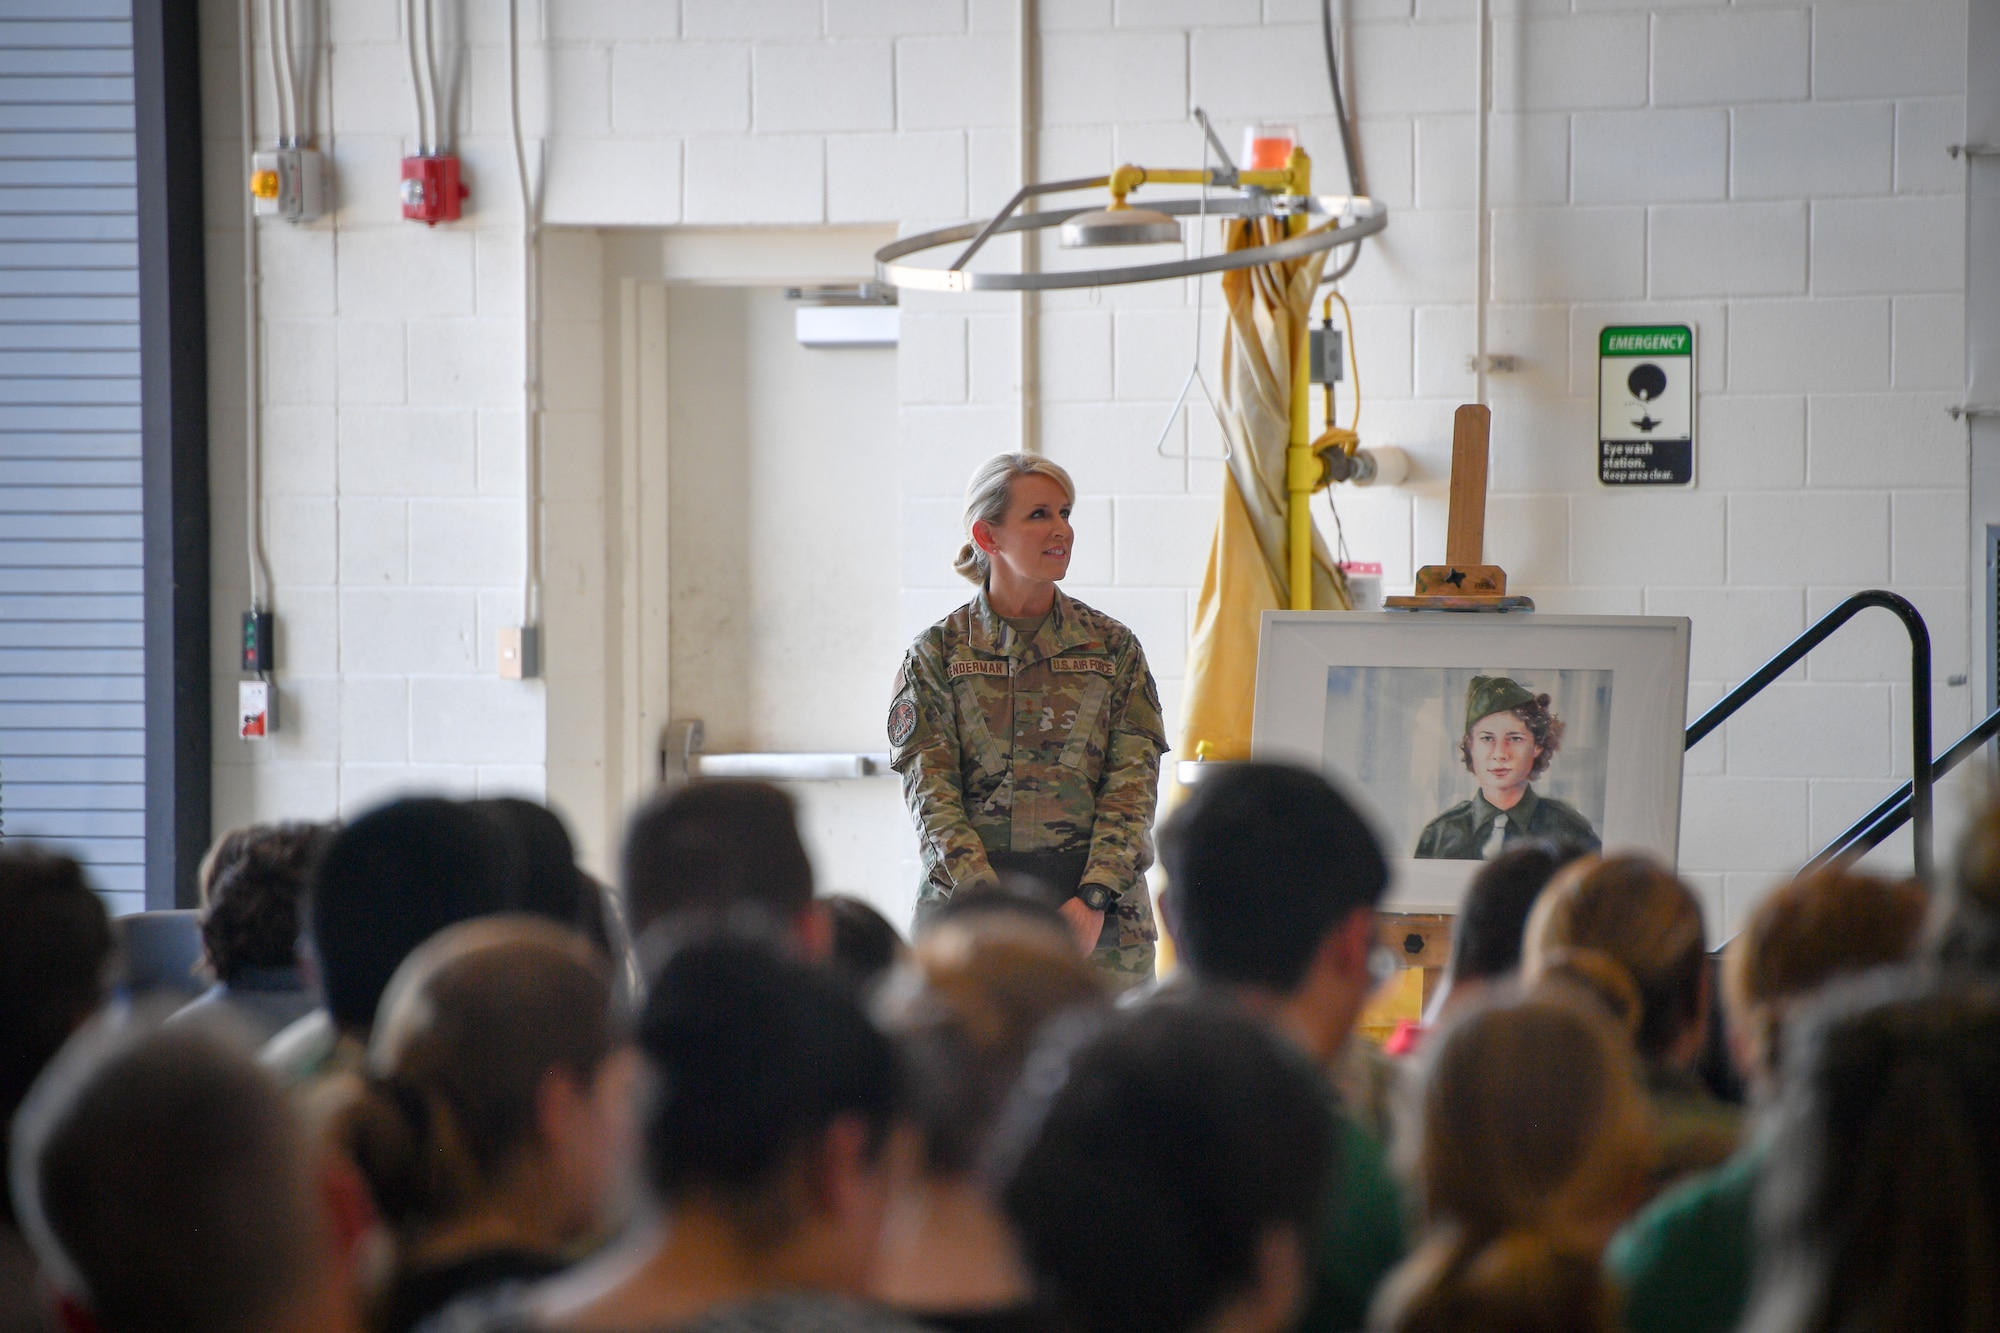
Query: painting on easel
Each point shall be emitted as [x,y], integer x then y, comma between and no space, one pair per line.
[1459,734]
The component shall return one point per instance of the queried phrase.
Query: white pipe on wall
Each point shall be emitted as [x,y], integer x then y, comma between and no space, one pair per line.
[1028,74]
[1482,213]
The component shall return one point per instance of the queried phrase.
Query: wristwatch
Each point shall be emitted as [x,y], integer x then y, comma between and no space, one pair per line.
[1095,896]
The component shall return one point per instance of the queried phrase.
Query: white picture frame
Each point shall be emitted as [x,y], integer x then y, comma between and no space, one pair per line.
[1374,700]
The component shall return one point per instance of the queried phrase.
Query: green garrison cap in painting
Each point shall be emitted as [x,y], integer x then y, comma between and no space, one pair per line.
[1494,694]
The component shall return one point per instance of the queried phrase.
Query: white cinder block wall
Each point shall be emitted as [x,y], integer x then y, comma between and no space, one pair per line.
[1774,174]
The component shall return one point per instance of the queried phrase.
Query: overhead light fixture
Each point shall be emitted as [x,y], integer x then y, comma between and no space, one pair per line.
[1120,226]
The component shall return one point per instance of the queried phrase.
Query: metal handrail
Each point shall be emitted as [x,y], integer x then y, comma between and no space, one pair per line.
[1874,828]
[1922,774]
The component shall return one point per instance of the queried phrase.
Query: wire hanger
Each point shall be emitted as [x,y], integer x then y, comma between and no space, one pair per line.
[1201,297]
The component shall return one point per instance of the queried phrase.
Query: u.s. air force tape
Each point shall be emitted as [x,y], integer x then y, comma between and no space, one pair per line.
[1103,666]
[902,721]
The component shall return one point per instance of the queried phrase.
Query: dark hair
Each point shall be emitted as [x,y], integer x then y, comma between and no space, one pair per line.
[1543,725]
[542,878]
[1486,937]
[712,846]
[166,1184]
[1014,896]
[1263,861]
[472,1024]
[252,914]
[388,882]
[1149,1175]
[865,945]
[1878,1203]
[55,948]
[755,1055]
[1964,931]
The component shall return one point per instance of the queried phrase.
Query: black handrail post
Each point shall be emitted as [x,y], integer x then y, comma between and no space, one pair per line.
[1921,776]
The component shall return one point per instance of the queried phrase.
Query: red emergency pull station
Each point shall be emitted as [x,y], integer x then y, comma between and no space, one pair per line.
[431,189]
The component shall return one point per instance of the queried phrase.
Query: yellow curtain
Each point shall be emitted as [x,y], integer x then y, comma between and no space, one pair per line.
[1247,571]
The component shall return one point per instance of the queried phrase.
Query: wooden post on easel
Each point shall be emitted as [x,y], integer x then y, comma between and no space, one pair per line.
[1464,582]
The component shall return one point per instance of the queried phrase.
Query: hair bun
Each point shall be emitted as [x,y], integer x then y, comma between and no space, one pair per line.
[971,563]
[1603,978]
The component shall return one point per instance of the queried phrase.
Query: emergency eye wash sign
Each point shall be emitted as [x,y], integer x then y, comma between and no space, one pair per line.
[1645,405]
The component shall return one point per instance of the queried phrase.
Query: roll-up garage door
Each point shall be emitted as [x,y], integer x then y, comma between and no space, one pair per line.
[72,615]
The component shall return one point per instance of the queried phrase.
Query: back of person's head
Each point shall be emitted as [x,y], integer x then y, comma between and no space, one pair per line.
[1534,1144]
[1486,934]
[388,882]
[712,847]
[1151,1170]
[1263,861]
[1879,1206]
[55,951]
[165,1184]
[1015,899]
[1806,934]
[250,913]
[473,1027]
[755,1056]
[1635,914]
[865,944]
[967,1012]
[541,876]
[1964,932]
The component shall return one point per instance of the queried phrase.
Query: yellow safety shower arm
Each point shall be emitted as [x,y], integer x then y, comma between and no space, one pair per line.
[1295,178]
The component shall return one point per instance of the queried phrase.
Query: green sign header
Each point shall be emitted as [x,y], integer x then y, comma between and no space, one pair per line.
[1646,340]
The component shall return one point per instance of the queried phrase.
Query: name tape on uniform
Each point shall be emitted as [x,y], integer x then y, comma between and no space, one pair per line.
[977,668]
[1101,665]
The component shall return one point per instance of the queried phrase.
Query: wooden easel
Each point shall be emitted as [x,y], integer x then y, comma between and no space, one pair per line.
[1464,582]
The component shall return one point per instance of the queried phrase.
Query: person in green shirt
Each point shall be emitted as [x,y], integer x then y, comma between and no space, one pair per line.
[1685,1260]
[1272,884]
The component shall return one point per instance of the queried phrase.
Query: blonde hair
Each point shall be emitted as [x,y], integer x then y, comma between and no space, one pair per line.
[1535,1141]
[987,496]
[1808,933]
[1634,913]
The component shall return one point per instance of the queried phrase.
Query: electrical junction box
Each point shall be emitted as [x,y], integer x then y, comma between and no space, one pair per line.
[431,189]
[259,648]
[520,652]
[287,183]
[1327,356]
[256,709]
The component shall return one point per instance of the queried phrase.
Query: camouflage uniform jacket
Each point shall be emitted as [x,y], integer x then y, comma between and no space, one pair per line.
[1043,744]
[1460,833]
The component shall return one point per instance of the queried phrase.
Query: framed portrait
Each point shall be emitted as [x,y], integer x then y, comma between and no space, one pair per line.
[1457,734]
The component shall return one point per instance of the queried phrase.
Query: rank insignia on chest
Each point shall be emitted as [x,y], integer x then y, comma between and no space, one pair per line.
[977,667]
[1101,666]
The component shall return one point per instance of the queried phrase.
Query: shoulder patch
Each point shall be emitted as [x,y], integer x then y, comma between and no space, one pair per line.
[1102,666]
[974,666]
[902,721]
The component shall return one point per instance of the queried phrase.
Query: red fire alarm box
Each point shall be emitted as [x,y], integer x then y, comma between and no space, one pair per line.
[431,189]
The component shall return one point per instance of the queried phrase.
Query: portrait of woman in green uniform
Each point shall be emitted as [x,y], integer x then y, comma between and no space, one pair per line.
[1511,737]
[1027,730]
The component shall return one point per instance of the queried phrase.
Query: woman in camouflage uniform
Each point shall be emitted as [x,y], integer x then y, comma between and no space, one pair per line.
[1027,728]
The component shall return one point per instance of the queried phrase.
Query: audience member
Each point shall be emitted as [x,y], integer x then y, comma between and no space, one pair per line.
[1534,1145]
[1174,1174]
[1879,1207]
[1685,1260]
[166,1184]
[1486,933]
[1964,932]
[494,1124]
[1626,924]
[1015,898]
[385,884]
[55,952]
[767,1139]
[865,946]
[541,876]
[250,927]
[966,1013]
[1272,882]
[717,848]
